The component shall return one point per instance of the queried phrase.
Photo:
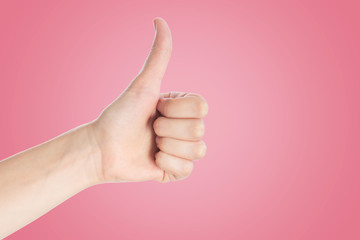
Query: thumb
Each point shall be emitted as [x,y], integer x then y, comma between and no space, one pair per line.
[156,63]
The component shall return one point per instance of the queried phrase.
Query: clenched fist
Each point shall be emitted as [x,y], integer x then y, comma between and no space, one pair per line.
[147,135]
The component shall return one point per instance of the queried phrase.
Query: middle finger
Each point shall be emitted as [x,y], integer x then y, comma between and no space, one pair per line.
[183,129]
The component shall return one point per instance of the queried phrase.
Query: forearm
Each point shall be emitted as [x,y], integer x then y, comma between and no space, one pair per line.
[35,181]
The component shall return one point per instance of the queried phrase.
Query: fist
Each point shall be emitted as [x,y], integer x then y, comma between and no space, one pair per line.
[179,130]
[147,135]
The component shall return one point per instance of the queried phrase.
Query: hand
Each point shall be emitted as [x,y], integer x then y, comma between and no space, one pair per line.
[143,135]
[131,130]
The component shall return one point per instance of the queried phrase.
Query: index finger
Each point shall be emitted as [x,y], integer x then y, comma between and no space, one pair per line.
[186,106]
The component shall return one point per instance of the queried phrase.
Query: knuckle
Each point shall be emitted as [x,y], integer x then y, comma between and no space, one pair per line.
[139,90]
[200,150]
[202,107]
[198,129]
[187,168]
[162,46]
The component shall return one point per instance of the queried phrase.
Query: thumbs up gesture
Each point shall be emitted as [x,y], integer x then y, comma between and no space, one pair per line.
[147,135]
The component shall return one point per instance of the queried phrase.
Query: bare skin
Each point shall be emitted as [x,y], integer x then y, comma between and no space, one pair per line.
[144,135]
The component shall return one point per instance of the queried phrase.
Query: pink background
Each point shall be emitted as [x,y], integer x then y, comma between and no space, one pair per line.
[282,80]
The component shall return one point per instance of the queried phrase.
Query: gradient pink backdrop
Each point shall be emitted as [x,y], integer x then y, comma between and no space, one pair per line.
[282,80]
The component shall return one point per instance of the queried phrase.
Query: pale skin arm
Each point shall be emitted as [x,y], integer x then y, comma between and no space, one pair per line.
[144,135]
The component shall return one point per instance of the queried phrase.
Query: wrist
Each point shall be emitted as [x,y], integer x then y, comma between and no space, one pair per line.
[86,154]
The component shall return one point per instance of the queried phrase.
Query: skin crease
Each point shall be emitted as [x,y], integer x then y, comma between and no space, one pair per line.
[144,135]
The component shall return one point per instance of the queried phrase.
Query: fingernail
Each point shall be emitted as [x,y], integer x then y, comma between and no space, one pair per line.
[154,22]
[158,103]
[157,139]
